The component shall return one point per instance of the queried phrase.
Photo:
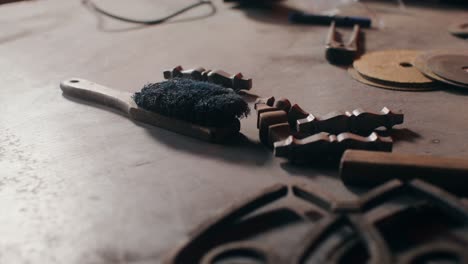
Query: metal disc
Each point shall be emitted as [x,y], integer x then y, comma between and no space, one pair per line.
[358,77]
[392,68]
[421,63]
[450,67]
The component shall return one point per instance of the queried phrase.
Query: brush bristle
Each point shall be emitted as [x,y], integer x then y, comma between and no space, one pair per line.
[198,102]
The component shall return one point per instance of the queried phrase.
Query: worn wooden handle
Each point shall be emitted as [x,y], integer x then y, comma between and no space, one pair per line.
[368,168]
[90,91]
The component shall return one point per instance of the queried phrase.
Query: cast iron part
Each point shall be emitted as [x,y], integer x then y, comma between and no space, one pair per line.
[301,137]
[396,222]
[236,81]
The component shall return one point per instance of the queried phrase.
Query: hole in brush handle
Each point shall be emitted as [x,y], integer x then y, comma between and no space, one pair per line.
[93,92]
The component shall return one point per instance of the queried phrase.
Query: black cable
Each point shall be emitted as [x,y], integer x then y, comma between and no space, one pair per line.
[147,22]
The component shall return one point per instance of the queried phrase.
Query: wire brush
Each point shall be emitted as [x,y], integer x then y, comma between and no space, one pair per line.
[195,108]
[198,102]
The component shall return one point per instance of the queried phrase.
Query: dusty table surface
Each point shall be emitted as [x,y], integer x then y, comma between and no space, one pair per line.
[83,184]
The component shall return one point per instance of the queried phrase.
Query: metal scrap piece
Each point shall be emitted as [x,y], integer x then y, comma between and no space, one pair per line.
[236,81]
[326,230]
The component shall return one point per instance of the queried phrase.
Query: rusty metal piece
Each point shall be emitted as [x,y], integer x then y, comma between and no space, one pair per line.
[300,136]
[278,132]
[231,231]
[323,144]
[283,104]
[301,224]
[201,241]
[268,119]
[263,105]
[236,81]
[179,72]
[296,113]
[251,251]
[375,244]
[357,121]
[267,101]
[445,252]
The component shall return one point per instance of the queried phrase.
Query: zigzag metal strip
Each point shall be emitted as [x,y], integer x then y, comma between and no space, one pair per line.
[325,144]
[236,81]
[357,121]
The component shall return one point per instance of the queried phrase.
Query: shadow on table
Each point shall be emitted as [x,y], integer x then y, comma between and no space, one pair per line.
[456,90]
[400,134]
[329,166]
[240,149]
[312,169]
[272,13]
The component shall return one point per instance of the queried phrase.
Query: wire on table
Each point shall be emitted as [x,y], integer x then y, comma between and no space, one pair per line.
[151,21]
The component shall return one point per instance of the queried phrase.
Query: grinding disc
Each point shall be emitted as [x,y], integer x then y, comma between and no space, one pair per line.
[450,67]
[459,29]
[392,68]
[358,77]
[421,63]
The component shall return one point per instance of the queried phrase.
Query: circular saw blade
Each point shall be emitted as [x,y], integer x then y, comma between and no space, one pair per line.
[450,67]
[358,77]
[421,63]
[392,68]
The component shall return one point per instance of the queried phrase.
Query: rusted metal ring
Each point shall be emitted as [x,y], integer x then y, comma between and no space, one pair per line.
[250,250]
[440,249]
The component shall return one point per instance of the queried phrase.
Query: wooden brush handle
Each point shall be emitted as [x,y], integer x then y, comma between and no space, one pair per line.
[368,168]
[89,91]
